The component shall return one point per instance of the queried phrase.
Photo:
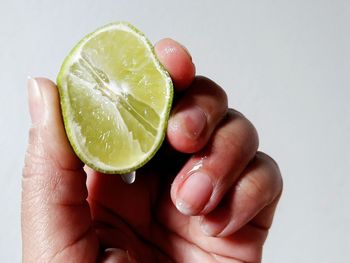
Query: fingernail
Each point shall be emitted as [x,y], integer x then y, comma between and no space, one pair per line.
[116,255]
[194,194]
[35,99]
[208,229]
[213,228]
[191,121]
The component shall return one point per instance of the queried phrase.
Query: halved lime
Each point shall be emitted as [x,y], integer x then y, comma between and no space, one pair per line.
[115,99]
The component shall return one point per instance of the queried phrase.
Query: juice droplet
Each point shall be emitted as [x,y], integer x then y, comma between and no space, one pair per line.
[198,165]
[129,178]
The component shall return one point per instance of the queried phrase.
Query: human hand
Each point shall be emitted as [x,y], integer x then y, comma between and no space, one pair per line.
[207,196]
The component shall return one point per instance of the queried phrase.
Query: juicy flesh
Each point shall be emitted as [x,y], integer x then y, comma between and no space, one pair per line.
[117,96]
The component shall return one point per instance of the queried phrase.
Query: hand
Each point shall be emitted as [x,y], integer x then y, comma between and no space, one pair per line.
[207,196]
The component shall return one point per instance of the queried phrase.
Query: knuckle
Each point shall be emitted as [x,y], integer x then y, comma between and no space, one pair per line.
[44,179]
[207,87]
[35,157]
[221,96]
[253,188]
[38,168]
[273,170]
[268,159]
[36,177]
[228,146]
[262,180]
[246,128]
[252,134]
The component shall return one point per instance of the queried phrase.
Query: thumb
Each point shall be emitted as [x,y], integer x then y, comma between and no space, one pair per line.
[56,222]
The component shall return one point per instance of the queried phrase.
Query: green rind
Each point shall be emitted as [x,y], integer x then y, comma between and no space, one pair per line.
[65,114]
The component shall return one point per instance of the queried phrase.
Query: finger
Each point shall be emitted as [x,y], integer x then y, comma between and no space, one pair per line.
[264,218]
[245,244]
[257,189]
[196,115]
[55,215]
[206,177]
[177,61]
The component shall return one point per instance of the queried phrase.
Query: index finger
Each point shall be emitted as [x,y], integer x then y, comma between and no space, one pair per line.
[177,61]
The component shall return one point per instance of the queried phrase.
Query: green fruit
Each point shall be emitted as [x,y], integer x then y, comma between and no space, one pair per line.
[115,99]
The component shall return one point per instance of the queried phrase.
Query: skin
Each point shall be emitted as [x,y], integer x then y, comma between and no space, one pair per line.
[207,196]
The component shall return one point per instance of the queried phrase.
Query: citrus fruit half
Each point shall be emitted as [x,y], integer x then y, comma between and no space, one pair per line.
[115,99]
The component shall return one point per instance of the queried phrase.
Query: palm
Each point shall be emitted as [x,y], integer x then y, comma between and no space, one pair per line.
[142,219]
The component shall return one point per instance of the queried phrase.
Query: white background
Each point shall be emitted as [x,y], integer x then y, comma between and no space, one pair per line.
[284,64]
